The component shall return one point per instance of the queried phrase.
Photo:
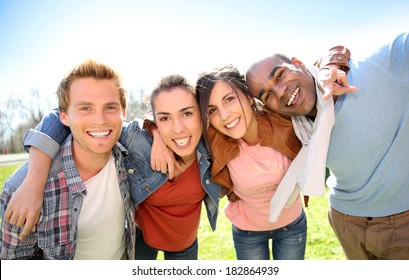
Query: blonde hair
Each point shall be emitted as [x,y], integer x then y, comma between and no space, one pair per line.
[88,69]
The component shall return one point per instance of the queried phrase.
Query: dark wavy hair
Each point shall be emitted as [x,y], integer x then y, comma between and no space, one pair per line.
[204,86]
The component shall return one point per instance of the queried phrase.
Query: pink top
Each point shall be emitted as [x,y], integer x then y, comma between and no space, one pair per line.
[256,173]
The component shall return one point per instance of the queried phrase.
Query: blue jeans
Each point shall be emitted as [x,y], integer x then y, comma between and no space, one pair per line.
[288,243]
[145,252]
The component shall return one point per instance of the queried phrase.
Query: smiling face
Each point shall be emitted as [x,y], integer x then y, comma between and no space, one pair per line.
[95,117]
[285,87]
[230,112]
[177,117]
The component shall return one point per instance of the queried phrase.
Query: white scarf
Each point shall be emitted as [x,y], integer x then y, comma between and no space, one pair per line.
[307,171]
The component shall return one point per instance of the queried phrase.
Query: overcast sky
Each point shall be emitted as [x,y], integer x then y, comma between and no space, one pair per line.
[41,40]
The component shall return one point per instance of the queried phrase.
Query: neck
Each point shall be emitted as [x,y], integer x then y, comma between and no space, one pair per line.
[182,166]
[251,136]
[188,160]
[90,165]
[313,112]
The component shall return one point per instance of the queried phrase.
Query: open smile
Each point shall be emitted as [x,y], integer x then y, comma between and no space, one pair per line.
[99,134]
[232,124]
[292,97]
[182,142]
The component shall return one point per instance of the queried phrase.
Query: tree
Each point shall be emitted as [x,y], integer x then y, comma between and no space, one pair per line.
[136,107]
[4,131]
[19,113]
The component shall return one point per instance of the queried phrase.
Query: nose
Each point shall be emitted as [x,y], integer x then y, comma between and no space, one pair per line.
[279,90]
[224,114]
[178,125]
[99,117]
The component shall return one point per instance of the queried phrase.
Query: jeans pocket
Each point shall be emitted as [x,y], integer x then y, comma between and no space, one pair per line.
[237,231]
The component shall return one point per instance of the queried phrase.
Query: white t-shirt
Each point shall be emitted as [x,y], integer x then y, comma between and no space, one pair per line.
[101,223]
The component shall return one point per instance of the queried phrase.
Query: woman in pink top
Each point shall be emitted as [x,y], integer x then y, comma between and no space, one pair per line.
[254,163]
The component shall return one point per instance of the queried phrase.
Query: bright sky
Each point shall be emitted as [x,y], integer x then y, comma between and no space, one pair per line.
[41,40]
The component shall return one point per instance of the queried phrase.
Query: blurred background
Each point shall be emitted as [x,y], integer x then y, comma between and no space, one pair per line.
[144,40]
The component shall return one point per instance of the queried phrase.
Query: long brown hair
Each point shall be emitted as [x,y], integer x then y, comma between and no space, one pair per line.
[204,86]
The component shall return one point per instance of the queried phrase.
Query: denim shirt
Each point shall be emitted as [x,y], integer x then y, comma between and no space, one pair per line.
[57,229]
[143,181]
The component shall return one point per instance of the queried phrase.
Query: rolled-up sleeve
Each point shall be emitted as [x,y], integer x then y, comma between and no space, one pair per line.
[48,135]
[41,141]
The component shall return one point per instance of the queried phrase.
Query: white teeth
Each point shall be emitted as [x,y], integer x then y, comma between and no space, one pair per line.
[182,141]
[99,134]
[230,125]
[293,96]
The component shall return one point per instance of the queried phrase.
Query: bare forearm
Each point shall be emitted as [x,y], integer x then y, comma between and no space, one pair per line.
[39,165]
[25,205]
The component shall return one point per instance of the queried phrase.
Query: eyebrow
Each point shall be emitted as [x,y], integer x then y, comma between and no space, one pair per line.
[181,110]
[271,75]
[224,97]
[88,103]
[260,94]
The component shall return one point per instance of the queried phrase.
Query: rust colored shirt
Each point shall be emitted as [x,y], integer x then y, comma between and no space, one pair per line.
[169,218]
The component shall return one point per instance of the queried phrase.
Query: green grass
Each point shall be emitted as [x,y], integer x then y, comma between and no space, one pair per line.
[6,171]
[321,241]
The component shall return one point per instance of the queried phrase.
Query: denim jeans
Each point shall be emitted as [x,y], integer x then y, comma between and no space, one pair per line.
[288,243]
[145,252]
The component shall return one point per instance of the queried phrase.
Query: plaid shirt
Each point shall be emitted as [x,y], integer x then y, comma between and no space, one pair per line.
[55,237]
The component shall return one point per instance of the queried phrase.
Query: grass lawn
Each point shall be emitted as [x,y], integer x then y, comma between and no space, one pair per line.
[321,241]
[5,171]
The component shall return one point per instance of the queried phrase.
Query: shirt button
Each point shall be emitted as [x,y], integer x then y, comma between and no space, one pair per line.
[130,171]
[75,209]
[207,181]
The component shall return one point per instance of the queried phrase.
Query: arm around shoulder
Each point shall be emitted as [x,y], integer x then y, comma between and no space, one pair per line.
[25,205]
[48,135]
[337,57]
